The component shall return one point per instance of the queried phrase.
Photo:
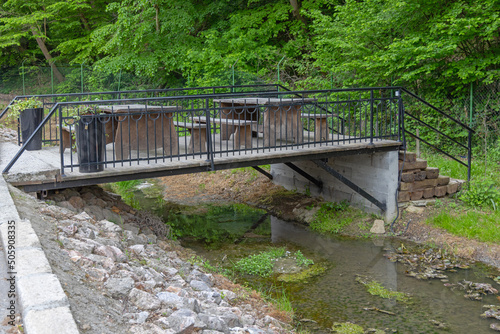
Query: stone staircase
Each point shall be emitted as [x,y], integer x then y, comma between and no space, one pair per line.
[418,181]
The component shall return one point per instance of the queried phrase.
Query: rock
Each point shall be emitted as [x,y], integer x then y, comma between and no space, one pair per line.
[182,321]
[199,285]
[231,319]
[97,274]
[83,216]
[77,202]
[142,317]
[192,304]
[414,209]
[378,227]
[149,329]
[105,251]
[495,326]
[118,254]
[137,250]
[247,320]
[67,205]
[84,248]
[144,300]
[214,322]
[228,295]
[170,299]
[108,226]
[119,287]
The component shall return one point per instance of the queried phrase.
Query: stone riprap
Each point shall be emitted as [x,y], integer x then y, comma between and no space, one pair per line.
[120,276]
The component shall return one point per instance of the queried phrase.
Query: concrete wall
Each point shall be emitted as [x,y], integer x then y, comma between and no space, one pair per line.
[376,173]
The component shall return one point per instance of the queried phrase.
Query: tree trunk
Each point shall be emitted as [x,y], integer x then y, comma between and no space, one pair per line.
[157,9]
[296,11]
[85,22]
[47,55]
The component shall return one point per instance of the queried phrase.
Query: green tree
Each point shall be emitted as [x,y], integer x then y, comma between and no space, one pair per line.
[431,46]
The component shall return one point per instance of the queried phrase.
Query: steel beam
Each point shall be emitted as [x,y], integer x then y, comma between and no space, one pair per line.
[262,171]
[350,184]
[318,183]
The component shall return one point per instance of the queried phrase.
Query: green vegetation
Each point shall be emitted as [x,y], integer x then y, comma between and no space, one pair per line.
[473,224]
[280,299]
[126,190]
[480,194]
[333,217]
[214,224]
[376,289]
[262,264]
[347,328]
[312,271]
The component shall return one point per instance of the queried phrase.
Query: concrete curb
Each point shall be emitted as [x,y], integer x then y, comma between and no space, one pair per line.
[43,304]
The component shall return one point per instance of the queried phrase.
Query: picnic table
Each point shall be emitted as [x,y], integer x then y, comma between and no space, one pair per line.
[142,127]
[282,116]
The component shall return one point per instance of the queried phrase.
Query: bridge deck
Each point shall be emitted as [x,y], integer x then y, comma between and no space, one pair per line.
[41,170]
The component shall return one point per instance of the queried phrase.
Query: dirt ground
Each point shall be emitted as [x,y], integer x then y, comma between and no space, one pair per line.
[253,188]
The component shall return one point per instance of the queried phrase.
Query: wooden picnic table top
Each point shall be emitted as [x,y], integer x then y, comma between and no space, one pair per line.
[126,108]
[264,100]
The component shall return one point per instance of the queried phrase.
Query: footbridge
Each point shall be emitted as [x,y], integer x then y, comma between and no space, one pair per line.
[341,144]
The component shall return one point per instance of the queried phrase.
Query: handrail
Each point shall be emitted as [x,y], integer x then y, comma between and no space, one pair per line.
[469,130]
[437,109]
[25,144]
[4,111]
[265,94]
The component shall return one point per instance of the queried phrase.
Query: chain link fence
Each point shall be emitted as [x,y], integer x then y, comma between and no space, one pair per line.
[479,108]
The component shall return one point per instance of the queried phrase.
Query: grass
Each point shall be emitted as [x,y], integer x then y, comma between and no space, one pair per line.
[262,264]
[473,224]
[334,217]
[479,170]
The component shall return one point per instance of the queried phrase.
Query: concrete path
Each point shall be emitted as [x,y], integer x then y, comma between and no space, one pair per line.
[41,301]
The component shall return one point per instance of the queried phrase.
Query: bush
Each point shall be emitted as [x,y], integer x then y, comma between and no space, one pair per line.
[480,194]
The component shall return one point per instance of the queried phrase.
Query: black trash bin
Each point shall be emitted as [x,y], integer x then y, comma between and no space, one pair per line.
[91,143]
[30,119]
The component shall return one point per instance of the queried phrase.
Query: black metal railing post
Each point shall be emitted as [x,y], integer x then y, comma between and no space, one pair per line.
[469,155]
[401,117]
[61,144]
[371,117]
[210,156]
[25,144]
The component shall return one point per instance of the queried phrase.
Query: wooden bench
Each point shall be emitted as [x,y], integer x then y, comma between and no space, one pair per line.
[243,129]
[198,131]
[321,131]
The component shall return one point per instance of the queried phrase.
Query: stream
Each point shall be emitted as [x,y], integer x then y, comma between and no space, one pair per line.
[225,234]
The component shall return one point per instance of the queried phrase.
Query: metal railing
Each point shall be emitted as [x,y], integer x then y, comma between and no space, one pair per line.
[49,100]
[222,124]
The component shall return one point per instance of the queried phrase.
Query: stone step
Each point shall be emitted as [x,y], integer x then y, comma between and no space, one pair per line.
[408,156]
[418,164]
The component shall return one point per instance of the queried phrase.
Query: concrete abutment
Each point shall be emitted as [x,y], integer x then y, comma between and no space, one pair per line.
[376,173]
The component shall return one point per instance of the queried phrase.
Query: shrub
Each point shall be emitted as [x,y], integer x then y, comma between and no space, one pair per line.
[480,194]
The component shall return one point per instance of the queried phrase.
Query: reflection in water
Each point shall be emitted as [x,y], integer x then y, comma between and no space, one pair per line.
[336,297]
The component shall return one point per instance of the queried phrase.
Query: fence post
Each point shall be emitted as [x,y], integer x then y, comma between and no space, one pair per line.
[232,89]
[52,75]
[119,79]
[81,72]
[471,104]
[279,72]
[22,66]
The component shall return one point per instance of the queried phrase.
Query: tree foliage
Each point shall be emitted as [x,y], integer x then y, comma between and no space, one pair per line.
[431,46]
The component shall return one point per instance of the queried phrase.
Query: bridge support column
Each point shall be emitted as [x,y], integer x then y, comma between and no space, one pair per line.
[375,173]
